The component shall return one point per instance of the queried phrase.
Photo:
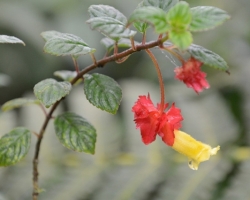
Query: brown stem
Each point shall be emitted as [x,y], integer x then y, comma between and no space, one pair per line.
[76,65]
[99,63]
[158,70]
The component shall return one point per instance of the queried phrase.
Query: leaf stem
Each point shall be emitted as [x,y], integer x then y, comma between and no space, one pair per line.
[76,64]
[158,70]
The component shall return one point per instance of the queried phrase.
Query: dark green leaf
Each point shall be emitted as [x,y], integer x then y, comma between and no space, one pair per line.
[10,40]
[109,21]
[208,57]
[75,132]
[207,17]
[179,16]
[103,92]
[154,16]
[49,91]
[62,44]
[123,43]
[163,4]
[16,103]
[14,146]
[181,39]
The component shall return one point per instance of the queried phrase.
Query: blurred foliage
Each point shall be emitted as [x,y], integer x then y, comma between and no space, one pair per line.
[123,167]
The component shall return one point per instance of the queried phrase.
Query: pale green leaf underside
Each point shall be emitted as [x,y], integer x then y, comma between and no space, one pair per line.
[62,44]
[106,11]
[208,57]
[109,21]
[139,25]
[123,42]
[207,17]
[103,92]
[110,27]
[14,146]
[152,15]
[47,35]
[163,4]
[181,39]
[16,103]
[75,132]
[49,91]
[10,40]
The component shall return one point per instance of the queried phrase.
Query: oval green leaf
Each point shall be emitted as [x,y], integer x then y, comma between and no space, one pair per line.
[47,35]
[207,17]
[179,16]
[14,146]
[152,15]
[63,44]
[181,39]
[16,103]
[75,132]
[208,57]
[49,91]
[10,40]
[103,92]
[109,21]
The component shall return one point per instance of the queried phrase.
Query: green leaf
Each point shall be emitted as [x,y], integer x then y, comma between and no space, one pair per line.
[49,91]
[163,4]
[10,40]
[103,92]
[152,15]
[123,43]
[179,16]
[208,57]
[14,146]
[207,17]
[181,39]
[109,21]
[62,44]
[75,132]
[140,26]
[47,35]
[16,103]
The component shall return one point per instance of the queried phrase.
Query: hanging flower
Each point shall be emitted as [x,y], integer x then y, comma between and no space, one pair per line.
[153,120]
[190,73]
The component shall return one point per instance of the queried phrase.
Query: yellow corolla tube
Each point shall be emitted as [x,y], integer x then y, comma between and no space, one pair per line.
[196,151]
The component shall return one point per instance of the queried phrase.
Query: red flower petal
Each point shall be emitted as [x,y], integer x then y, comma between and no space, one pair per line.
[190,73]
[170,121]
[146,118]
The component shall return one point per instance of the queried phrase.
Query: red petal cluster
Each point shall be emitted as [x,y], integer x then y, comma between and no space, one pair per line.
[190,73]
[152,120]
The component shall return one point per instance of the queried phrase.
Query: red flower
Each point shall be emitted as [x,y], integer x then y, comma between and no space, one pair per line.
[152,120]
[190,73]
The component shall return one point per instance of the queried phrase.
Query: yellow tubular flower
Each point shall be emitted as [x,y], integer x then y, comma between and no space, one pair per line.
[196,151]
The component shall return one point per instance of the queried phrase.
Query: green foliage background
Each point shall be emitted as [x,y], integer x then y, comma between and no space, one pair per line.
[123,167]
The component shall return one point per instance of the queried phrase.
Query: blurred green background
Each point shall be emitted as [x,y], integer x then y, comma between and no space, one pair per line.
[123,167]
